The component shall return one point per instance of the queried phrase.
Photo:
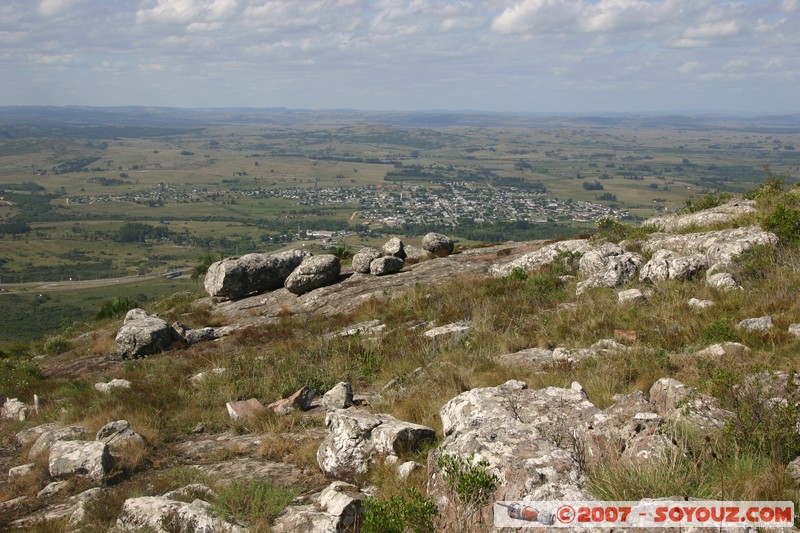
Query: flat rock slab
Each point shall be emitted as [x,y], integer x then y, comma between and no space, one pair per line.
[157,513]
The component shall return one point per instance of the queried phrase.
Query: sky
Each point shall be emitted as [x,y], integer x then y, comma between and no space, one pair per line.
[485,55]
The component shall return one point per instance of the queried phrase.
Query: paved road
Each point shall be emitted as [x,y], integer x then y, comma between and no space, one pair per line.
[48,286]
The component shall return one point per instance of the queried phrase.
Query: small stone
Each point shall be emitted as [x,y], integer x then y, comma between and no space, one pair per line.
[244,408]
[407,468]
[723,281]
[794,329]
[694,303]
[21,470]
[339,397]
[633,296]
[793,470]
[299,400]
[763,323]
[52,489]
[454,331]
[107,388]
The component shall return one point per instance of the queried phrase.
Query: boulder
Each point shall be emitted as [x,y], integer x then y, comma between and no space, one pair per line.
[763,323]
[47,438]
[107,388]
[527,437]
[301,400]
[337,508]
[314,272]
[394,247]
[546,255]
[339,397]
[363,258]
[157,513]
[666,264]
[141,335]
[251,273]
[357,438]
[793,470]
[118,435]
[607,265]
[794,329]
[13,409]
[702,219]
[438,244]
[386,265]
[80,458]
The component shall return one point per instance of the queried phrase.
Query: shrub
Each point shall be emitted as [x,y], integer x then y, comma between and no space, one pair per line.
[720,331]
[116,307]
[705,201]
[56,344]
[254,502]
[472,484]
[784,221]
[208,259]
[412,513]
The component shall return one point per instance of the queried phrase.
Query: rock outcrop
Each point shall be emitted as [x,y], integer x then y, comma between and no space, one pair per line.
[546,255]
[526,436]
[607,265]
[702,219]
[251,273]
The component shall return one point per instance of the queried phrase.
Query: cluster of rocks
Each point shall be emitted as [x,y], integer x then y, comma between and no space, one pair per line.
[672,256]
[144,334]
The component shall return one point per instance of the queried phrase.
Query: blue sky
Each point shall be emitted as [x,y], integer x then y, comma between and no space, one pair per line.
[489,55]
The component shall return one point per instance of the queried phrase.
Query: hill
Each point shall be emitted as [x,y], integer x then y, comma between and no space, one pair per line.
[641,362]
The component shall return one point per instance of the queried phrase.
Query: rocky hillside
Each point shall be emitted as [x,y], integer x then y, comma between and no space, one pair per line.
[411,389]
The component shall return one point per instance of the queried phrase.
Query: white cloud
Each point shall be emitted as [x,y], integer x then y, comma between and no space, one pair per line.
[63,59]
[186,11]
[690,66]
[50,8]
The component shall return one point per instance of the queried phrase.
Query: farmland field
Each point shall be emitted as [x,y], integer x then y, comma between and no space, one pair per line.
[119,192]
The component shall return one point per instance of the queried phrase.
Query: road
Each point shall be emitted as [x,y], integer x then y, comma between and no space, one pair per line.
[50,286]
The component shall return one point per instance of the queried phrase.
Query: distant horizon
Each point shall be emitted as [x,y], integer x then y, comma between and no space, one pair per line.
[496,56]
[455,111]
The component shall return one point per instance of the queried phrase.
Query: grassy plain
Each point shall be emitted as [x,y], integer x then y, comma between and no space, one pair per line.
[239,188]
